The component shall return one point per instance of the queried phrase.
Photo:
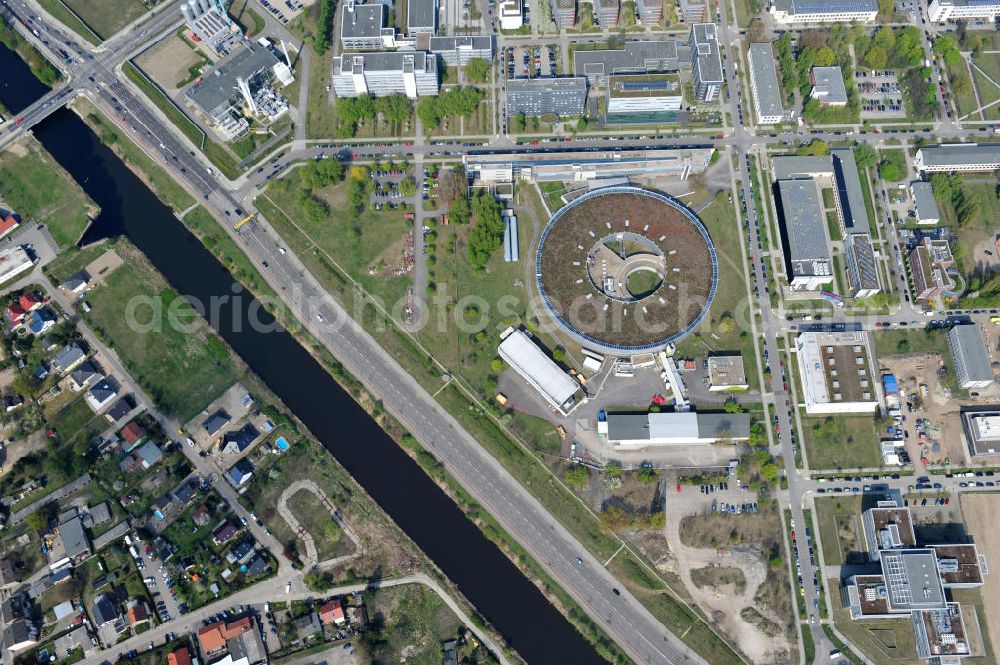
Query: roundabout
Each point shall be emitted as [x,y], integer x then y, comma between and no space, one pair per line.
[626,269]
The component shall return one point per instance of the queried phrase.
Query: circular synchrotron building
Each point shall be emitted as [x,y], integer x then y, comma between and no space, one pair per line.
[626,269]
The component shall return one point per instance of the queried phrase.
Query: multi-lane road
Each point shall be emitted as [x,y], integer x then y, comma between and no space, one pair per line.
[94,75]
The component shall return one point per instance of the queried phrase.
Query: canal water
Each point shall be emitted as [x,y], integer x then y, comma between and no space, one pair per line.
[487,578]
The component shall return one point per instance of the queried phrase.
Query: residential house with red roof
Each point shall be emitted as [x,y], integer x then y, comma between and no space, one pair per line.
[332,612]
[181,656]
[213,637]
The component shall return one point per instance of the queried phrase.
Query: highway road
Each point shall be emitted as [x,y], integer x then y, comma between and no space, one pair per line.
[611,606]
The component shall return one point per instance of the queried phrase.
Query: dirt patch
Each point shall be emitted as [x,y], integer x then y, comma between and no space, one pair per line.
[707,547]
[722,579]
[943,441]
[104,265]
[15,451]
[168,62]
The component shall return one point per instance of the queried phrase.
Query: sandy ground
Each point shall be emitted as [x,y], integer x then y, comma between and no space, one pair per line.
[18,449]
[939,407]
[167,63]
[980,519]
[723,607]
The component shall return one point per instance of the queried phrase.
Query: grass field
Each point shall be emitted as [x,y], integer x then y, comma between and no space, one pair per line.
[412,622]
[355,243]
[883,641]
[163,185]
[848,442]
[838,521]
[182,370]
[727,327]
[316,519]
[106,17]
[321,120]
[39,190]
[897,157]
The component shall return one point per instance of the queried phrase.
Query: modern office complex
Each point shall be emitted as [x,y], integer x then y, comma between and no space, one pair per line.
[958,157]
[941,11]
[562,96]
[363,27]
[706,62]
[421,17]
[458,51]
[767,104]
[972,360]
[807,252]
[240,86]
[211,24]
[981,425]
[641,57]
[412,73]
[912,582]
[564,13]
[837,372]
[823,11]
[649,12]
[923,200]
[644,98]
[828,86]
[929,263]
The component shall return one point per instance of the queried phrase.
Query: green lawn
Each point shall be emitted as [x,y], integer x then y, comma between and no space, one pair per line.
[183,370]
[897,157]
[838,516]
[355,243]
[39,190]
[727,327]
[317,521]
[162,183]
[842,442]
[321,120]
[966,102]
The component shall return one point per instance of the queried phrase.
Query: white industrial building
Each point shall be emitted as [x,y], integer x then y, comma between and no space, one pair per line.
[767,104]
[412,73]
[837,372]
[13,262]
[972,360]
[511,14]
[541,372]
[632,431]
[789,12]
[941,11]
[958,157]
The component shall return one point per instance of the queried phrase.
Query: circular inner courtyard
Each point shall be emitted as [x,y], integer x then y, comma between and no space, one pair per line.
[626,269]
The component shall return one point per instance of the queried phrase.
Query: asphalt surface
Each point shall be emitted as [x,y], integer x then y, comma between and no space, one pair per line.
[628,623]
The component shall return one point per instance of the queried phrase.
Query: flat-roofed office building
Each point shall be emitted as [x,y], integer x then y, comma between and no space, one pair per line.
[941,11]
[643,98]
[823,11]
[412,73]
[421,17]
[972,360]
[706,62]
[638,57]
[363,27]
[828,86]
[459,50]
[767,104]
[837,372]
[958,157]
[807,250]
[562,96]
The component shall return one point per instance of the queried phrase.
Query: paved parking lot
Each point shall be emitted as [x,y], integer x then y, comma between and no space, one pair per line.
[530,62]
[880,95]
[385,188]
